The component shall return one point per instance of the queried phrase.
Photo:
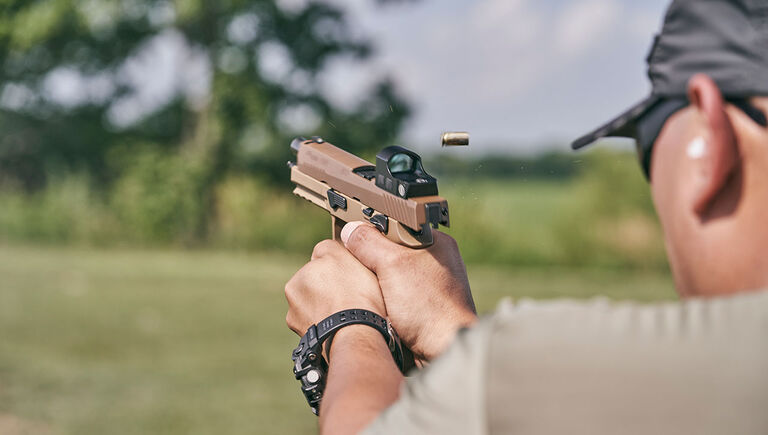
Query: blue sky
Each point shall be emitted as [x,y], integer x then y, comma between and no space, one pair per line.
[520,75]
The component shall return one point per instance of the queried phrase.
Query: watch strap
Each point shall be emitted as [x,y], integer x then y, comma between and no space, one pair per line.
[310,368]
[343,318]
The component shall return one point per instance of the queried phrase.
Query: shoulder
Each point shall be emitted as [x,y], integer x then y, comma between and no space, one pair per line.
[552,364]
[600,316]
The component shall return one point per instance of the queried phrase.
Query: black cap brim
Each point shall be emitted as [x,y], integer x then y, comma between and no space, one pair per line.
[624,125]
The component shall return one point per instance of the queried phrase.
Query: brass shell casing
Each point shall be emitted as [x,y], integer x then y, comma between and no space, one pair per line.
[454,138]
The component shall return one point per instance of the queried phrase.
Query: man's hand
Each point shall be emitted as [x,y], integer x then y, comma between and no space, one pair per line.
[426,290]
[362,376]
[332,281]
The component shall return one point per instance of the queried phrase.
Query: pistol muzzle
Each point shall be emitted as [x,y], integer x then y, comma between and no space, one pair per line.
[296,144]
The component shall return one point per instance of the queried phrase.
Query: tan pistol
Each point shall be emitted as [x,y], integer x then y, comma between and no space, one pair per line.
[396,195]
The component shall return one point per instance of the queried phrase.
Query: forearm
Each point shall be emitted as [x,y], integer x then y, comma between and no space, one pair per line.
[363,380]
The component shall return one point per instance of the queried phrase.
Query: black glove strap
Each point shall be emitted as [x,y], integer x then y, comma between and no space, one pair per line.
[309,366]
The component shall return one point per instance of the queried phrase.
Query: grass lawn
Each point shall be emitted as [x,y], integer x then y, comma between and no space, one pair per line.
[138,342]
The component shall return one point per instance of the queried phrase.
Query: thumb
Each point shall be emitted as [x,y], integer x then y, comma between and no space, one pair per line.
[368,245]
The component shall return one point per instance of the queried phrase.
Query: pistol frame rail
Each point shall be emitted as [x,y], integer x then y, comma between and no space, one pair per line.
[396,195]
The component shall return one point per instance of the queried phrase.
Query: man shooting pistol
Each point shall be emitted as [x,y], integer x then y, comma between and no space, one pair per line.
[694,366]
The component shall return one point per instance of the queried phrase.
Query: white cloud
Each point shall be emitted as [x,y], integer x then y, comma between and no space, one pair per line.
[478,52]
[644,23]
[468,53]
[584,25]
[516,22]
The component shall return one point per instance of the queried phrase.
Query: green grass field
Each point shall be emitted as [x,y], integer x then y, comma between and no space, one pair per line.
[140,342]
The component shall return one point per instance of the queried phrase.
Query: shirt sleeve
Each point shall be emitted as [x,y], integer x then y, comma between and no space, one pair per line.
[448,396]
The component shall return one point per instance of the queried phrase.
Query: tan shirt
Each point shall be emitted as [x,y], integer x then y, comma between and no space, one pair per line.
[597,367]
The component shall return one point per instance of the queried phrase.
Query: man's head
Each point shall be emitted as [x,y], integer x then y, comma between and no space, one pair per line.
[709,172]
[703,143]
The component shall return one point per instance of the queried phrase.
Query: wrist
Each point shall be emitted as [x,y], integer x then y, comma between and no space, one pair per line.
[366,337]
[360,338]
[442,334]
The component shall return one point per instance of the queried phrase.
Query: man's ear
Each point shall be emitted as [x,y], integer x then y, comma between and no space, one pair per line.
[721,155]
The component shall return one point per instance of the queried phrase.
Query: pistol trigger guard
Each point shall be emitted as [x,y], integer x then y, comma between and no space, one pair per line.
[424,235]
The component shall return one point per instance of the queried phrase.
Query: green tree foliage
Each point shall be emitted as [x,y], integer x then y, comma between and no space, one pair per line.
[236,125]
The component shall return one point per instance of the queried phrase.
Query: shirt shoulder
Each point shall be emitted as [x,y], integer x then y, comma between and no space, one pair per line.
[696,366]
[596,367]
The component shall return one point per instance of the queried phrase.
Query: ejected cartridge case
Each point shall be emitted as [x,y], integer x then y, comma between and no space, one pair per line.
[454,138]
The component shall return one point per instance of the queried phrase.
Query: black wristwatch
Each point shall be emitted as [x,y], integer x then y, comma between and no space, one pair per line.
[309,366]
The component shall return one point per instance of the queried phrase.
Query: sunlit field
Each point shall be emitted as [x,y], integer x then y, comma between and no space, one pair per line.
[137,342]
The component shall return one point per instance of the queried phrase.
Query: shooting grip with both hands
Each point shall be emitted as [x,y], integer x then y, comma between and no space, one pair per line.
[396,195]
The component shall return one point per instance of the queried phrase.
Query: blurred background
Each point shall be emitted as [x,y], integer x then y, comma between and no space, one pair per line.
[147,225]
